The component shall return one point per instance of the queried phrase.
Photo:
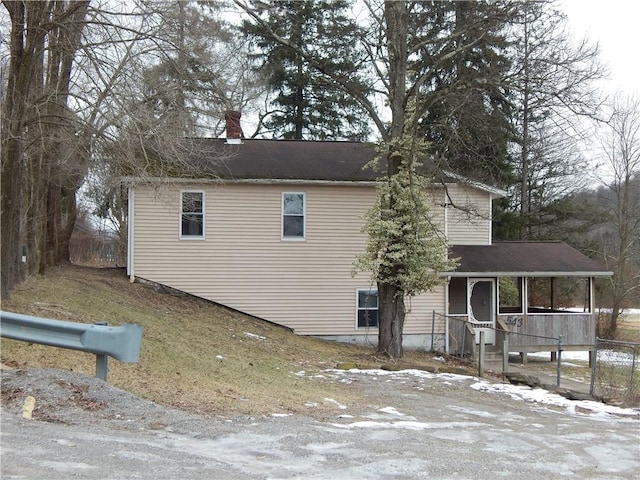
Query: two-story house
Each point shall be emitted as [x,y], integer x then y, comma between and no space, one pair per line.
[274,233]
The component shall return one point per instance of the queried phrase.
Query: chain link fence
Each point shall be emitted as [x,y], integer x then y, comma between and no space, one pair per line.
[615,369]
[615,374]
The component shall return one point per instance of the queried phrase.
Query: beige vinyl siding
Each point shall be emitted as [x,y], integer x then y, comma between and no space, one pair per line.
[420,312]
[243,263]
[470,224]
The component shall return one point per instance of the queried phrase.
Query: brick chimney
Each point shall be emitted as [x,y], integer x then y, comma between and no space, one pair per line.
[234,130]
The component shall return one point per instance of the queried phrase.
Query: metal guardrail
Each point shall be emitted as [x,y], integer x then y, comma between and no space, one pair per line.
[121,343]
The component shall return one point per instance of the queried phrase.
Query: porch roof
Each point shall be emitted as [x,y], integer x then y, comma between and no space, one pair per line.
[524,259]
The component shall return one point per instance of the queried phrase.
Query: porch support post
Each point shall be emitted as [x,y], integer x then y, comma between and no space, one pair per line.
[592,305]
[525,309]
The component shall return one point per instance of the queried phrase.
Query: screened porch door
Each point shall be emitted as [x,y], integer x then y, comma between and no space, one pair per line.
[482,308]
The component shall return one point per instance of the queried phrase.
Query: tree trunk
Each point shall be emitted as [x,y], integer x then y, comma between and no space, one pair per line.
[390,307]
[35,132]
[24,52]
[10,224]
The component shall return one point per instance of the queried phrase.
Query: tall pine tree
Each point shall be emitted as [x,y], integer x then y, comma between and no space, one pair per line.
[306,104]
[462,62]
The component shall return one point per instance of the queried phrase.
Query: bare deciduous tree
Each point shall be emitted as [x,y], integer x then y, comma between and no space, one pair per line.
[42,155]
[620,240]
[553,82]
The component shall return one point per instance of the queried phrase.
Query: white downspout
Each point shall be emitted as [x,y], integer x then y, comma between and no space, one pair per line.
[490,219]
[130,229]
[446,216]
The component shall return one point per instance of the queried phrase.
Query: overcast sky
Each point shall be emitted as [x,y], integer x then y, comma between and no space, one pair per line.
[614,24]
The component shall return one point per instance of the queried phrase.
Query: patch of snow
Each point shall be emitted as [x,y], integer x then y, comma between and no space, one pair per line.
[607,356]
[253,335]
[392,411]
[400,374]
[338,404]
[517,392]
[405,425]
[539,395]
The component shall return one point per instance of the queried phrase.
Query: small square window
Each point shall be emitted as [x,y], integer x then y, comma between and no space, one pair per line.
[192,215]
[293,213]
[367,308]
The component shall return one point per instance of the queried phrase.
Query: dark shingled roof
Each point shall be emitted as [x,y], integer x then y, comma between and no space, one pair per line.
[291,160]
[257,159]
[552,258]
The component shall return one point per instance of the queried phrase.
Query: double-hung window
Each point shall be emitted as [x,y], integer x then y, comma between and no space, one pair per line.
[191,214]
[293,216]
[367,308]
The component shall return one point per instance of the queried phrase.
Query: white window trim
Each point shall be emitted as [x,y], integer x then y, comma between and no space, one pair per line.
[192,237]
[367,289]
[304,218]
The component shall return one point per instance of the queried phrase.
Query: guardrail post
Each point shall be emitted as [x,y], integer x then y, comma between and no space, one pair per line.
[102,366]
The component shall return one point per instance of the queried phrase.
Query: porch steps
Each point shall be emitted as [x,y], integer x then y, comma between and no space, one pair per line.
[492,358]
[492,353]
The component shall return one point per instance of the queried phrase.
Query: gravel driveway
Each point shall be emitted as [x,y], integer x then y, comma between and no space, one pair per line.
[406,426]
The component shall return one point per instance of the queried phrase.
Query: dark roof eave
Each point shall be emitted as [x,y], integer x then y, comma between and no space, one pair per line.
[263,181]
[526,274]
[525,258]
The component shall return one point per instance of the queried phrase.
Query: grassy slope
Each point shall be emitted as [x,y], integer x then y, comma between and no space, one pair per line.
[182,339]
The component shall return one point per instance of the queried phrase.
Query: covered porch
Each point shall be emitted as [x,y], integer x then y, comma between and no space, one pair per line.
[523,297]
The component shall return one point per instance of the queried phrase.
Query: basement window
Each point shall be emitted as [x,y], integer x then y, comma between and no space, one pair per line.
[367,308]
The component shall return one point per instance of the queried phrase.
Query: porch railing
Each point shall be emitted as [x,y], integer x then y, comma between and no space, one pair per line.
[461,340]
[537,331]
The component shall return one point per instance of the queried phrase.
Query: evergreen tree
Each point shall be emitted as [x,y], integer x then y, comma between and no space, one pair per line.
[307,105]
[467,108]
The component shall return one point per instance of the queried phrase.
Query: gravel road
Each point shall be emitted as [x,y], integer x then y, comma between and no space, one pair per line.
[405,427]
